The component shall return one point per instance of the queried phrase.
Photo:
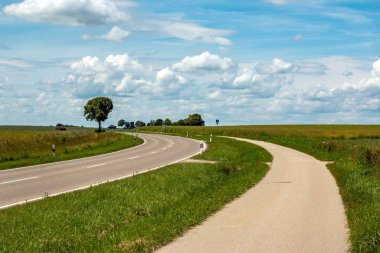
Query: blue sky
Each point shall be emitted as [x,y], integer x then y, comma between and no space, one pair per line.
[247,62]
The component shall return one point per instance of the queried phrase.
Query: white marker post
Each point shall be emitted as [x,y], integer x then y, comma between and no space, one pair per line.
[210,137]
[53,150]
[187,134]
[201,147]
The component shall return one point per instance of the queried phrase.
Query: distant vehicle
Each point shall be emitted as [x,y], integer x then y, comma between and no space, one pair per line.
[128,127]
[60,127]
[112,127]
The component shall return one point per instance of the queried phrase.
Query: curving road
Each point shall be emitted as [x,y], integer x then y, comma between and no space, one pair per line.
[35,182]
[295,208]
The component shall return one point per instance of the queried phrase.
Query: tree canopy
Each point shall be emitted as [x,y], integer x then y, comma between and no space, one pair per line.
[98,109]
[167,122]
[159,122]
[193,120]
[121,123]
[139,123]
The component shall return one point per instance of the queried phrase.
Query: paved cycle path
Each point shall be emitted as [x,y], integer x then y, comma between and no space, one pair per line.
[295,208]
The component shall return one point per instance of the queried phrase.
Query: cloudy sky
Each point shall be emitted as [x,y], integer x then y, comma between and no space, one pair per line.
[244,62]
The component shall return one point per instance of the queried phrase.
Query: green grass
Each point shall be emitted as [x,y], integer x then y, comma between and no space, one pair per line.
[20,147]
[356,152]
[138,214]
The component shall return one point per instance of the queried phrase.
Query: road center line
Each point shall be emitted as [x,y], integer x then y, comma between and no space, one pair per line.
[133,157]
[18,180]
[97,165]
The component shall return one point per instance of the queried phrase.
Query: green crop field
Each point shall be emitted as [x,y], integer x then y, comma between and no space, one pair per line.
[355,150]
[22,146]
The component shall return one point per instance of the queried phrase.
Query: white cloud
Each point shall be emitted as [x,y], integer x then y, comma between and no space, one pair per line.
[68,12]
[116,34]
[264,92]
[376,68]
[280,2]
[169,82]
[189,31]
[117,73]
[15,63]
[263,80]
[349,98]
[214,95]
[204,62]
[310,68]
[128,84]
[277,66]
[298,37]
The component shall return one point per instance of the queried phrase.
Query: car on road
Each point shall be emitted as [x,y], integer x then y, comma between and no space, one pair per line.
[111,127]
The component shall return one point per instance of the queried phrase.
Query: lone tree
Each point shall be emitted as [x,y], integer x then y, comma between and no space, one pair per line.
[98,109]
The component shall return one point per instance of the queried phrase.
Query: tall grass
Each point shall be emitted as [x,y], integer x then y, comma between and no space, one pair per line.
[328,131]
[27,147]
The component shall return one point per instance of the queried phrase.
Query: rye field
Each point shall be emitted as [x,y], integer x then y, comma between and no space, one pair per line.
[354,151]
[22,146]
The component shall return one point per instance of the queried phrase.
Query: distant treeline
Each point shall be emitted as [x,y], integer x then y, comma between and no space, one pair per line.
[192,120]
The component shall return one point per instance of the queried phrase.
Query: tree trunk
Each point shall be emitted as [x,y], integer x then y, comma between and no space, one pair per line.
[100,129]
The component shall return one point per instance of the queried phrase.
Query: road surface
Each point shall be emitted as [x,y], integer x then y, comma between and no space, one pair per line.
[35,182]
[295,208]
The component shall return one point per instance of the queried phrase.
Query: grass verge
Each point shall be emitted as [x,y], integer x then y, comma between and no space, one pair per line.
[138,214]
[356,152]
[20,148]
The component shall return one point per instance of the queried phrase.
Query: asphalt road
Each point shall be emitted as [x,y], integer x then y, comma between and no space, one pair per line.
[295,208]
[32,183]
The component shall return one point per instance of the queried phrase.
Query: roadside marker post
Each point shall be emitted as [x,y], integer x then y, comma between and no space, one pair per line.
[187,134]
[201,147]
[53,150]
[210,137]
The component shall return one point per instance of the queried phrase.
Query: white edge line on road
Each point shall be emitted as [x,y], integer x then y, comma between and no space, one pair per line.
[97,165]
[102,182]
[88,157]
[18,180]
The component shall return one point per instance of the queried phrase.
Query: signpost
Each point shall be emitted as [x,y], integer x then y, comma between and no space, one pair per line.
[53,150]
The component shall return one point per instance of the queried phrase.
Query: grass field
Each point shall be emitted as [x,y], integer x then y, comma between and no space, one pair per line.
[356,152]
[21,147]
[138,214]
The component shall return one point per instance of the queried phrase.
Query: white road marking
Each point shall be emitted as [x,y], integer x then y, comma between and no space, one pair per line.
[95,184]
[83,158]
[154,152]
[18,180]
[133,157]
[97,165]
